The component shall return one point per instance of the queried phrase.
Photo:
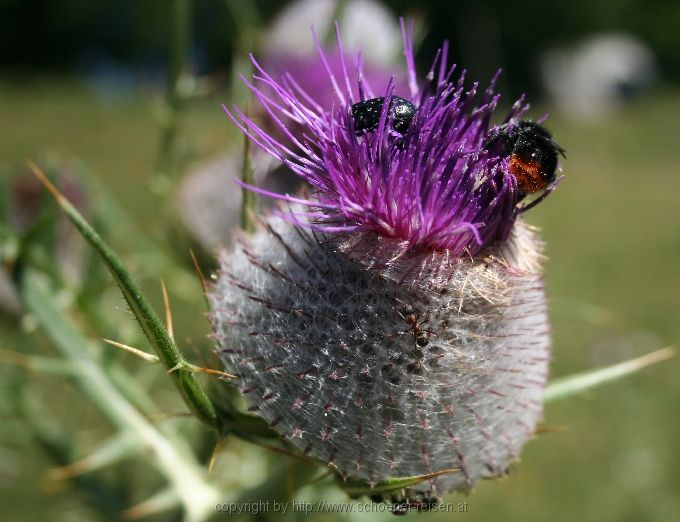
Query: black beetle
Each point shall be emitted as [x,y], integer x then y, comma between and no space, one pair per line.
[366,114]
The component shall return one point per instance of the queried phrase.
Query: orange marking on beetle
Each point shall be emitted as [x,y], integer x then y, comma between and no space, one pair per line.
[529,174]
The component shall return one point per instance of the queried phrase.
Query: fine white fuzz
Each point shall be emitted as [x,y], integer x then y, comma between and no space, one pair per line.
[384,362]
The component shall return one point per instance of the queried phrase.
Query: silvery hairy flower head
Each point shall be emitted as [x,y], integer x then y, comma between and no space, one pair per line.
[390,320]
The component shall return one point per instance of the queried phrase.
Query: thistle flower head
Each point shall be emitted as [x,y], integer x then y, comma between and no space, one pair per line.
[433,187]
[392,321]
[208,212]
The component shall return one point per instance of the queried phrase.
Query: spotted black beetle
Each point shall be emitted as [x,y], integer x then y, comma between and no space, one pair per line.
[366,114]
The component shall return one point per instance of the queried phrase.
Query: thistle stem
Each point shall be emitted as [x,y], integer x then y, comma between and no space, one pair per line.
[248,197]
[168,352]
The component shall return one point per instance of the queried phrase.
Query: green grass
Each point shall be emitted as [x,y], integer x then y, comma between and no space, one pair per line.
[613,240]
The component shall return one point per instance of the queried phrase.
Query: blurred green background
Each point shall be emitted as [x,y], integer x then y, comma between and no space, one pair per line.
[81,89]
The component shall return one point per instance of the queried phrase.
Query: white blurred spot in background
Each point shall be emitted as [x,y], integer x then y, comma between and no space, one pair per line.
[364,24]
[596,77]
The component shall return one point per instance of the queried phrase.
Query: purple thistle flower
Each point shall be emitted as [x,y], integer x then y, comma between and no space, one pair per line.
[207,212]
[392,321]
[434,188]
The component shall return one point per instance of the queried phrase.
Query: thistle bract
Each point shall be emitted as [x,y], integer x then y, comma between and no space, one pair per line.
[391,320]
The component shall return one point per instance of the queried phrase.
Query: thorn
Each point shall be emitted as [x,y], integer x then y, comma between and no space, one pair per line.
[212,371]
[160,502]
[580,382]
[201,278]
[321,477]
[217,449]
[134,351]
[61,200]
[115,449]
[168,312]
[285,452]
[177,366]
[200,369]
[159,417]
[653,357]
[439,473]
